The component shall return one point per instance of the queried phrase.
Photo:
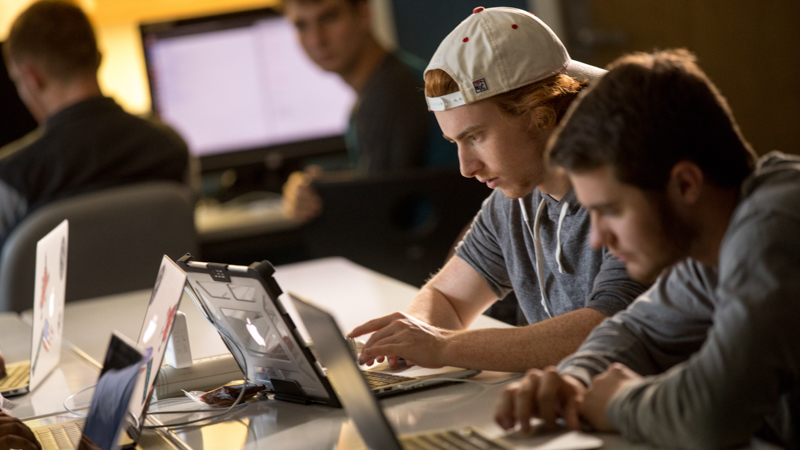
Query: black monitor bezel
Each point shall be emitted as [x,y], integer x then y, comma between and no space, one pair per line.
[243,156]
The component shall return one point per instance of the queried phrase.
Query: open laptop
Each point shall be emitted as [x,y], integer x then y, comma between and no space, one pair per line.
[355,395]
[152,344]
[109,403]
[48,314]
[372,424]
[243,304]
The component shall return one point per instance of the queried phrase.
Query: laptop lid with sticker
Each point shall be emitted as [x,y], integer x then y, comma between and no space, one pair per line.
[153,338]
[48,302]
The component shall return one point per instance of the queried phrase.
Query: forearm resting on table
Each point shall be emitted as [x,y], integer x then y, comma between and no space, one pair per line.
[522,348]
[453,298]
[433,307]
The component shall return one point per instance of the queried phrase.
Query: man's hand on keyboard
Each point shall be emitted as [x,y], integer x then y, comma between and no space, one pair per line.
[15,434]
[400,335]
[546,394]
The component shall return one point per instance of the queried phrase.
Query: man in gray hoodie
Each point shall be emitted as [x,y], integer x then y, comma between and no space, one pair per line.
[709,356]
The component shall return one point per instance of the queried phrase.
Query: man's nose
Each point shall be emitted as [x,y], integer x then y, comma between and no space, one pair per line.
[599,235]
[314,36]
[467,162]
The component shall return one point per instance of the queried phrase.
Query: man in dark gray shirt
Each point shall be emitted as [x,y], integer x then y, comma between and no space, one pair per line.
[390,129]
[709,356]
[499,100]
[85,141]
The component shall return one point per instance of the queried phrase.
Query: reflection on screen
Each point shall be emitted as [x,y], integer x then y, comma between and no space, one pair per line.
[257,333]
[242,88]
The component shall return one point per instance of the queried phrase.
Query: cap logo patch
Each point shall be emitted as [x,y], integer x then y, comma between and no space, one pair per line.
[480,85]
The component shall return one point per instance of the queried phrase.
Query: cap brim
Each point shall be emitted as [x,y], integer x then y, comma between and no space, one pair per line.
[583,72]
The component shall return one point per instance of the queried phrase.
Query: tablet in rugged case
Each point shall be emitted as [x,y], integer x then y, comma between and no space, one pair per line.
[242,304]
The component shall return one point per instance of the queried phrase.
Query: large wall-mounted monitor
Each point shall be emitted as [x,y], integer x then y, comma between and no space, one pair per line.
[239,87]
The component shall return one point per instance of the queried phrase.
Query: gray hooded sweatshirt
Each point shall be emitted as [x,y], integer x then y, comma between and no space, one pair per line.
[719,346]
[539,248]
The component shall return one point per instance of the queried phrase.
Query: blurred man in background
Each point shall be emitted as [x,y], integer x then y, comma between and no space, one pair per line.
[84,141]
[390,128]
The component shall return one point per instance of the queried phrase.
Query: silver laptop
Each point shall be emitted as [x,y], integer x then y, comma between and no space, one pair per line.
[375,429]
[357,398]
[243,305]
[384,380]
[109,403]
[48,314]
[152,344]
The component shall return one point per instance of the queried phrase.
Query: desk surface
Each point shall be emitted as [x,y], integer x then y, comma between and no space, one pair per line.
[244,219]
[70,376]
[353,294]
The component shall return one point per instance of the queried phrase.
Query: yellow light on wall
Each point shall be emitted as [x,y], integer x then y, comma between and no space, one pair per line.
[122,72]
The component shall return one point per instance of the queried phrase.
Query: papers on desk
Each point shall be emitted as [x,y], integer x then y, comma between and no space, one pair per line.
[563,440]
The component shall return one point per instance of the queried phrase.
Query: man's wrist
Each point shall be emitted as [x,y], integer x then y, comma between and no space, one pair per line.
[452,348]
[616,406]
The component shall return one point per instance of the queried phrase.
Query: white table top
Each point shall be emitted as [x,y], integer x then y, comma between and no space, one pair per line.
[353,294]
[70,376]
[241,219]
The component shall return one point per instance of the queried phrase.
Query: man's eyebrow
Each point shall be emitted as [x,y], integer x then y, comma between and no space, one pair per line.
[601,206]
[463,133]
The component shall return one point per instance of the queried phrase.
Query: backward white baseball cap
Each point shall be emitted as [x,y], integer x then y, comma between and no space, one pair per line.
[496,50]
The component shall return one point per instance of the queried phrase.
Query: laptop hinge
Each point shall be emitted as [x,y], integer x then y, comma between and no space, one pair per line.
[290,391]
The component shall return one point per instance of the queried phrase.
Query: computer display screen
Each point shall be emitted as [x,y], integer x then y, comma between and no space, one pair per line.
[241,82]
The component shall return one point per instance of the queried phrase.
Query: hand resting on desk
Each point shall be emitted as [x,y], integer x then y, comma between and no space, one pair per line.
[547,394]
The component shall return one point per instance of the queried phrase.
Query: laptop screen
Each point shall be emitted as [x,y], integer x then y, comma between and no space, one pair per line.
[113,393]
[153,337]
[353,391]
[48,302]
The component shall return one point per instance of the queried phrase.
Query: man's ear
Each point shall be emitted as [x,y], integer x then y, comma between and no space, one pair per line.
[364,11]
[685,184]
[32,76]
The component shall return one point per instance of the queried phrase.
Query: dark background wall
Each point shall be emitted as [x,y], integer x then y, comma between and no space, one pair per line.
[751,50]
[15,120]
[422,24]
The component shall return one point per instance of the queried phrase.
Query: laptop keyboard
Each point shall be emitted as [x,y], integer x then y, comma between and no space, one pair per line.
[464,439]
[378,380]
[64,437]
[15,376]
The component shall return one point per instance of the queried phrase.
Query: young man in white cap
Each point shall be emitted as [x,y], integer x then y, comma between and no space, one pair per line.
[498,85]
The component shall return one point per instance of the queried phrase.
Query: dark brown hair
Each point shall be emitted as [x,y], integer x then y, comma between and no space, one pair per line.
[649,112]
[545,102]
[56,35]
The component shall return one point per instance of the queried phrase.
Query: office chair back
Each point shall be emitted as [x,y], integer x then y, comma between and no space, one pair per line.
[116,239]
[401,225]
